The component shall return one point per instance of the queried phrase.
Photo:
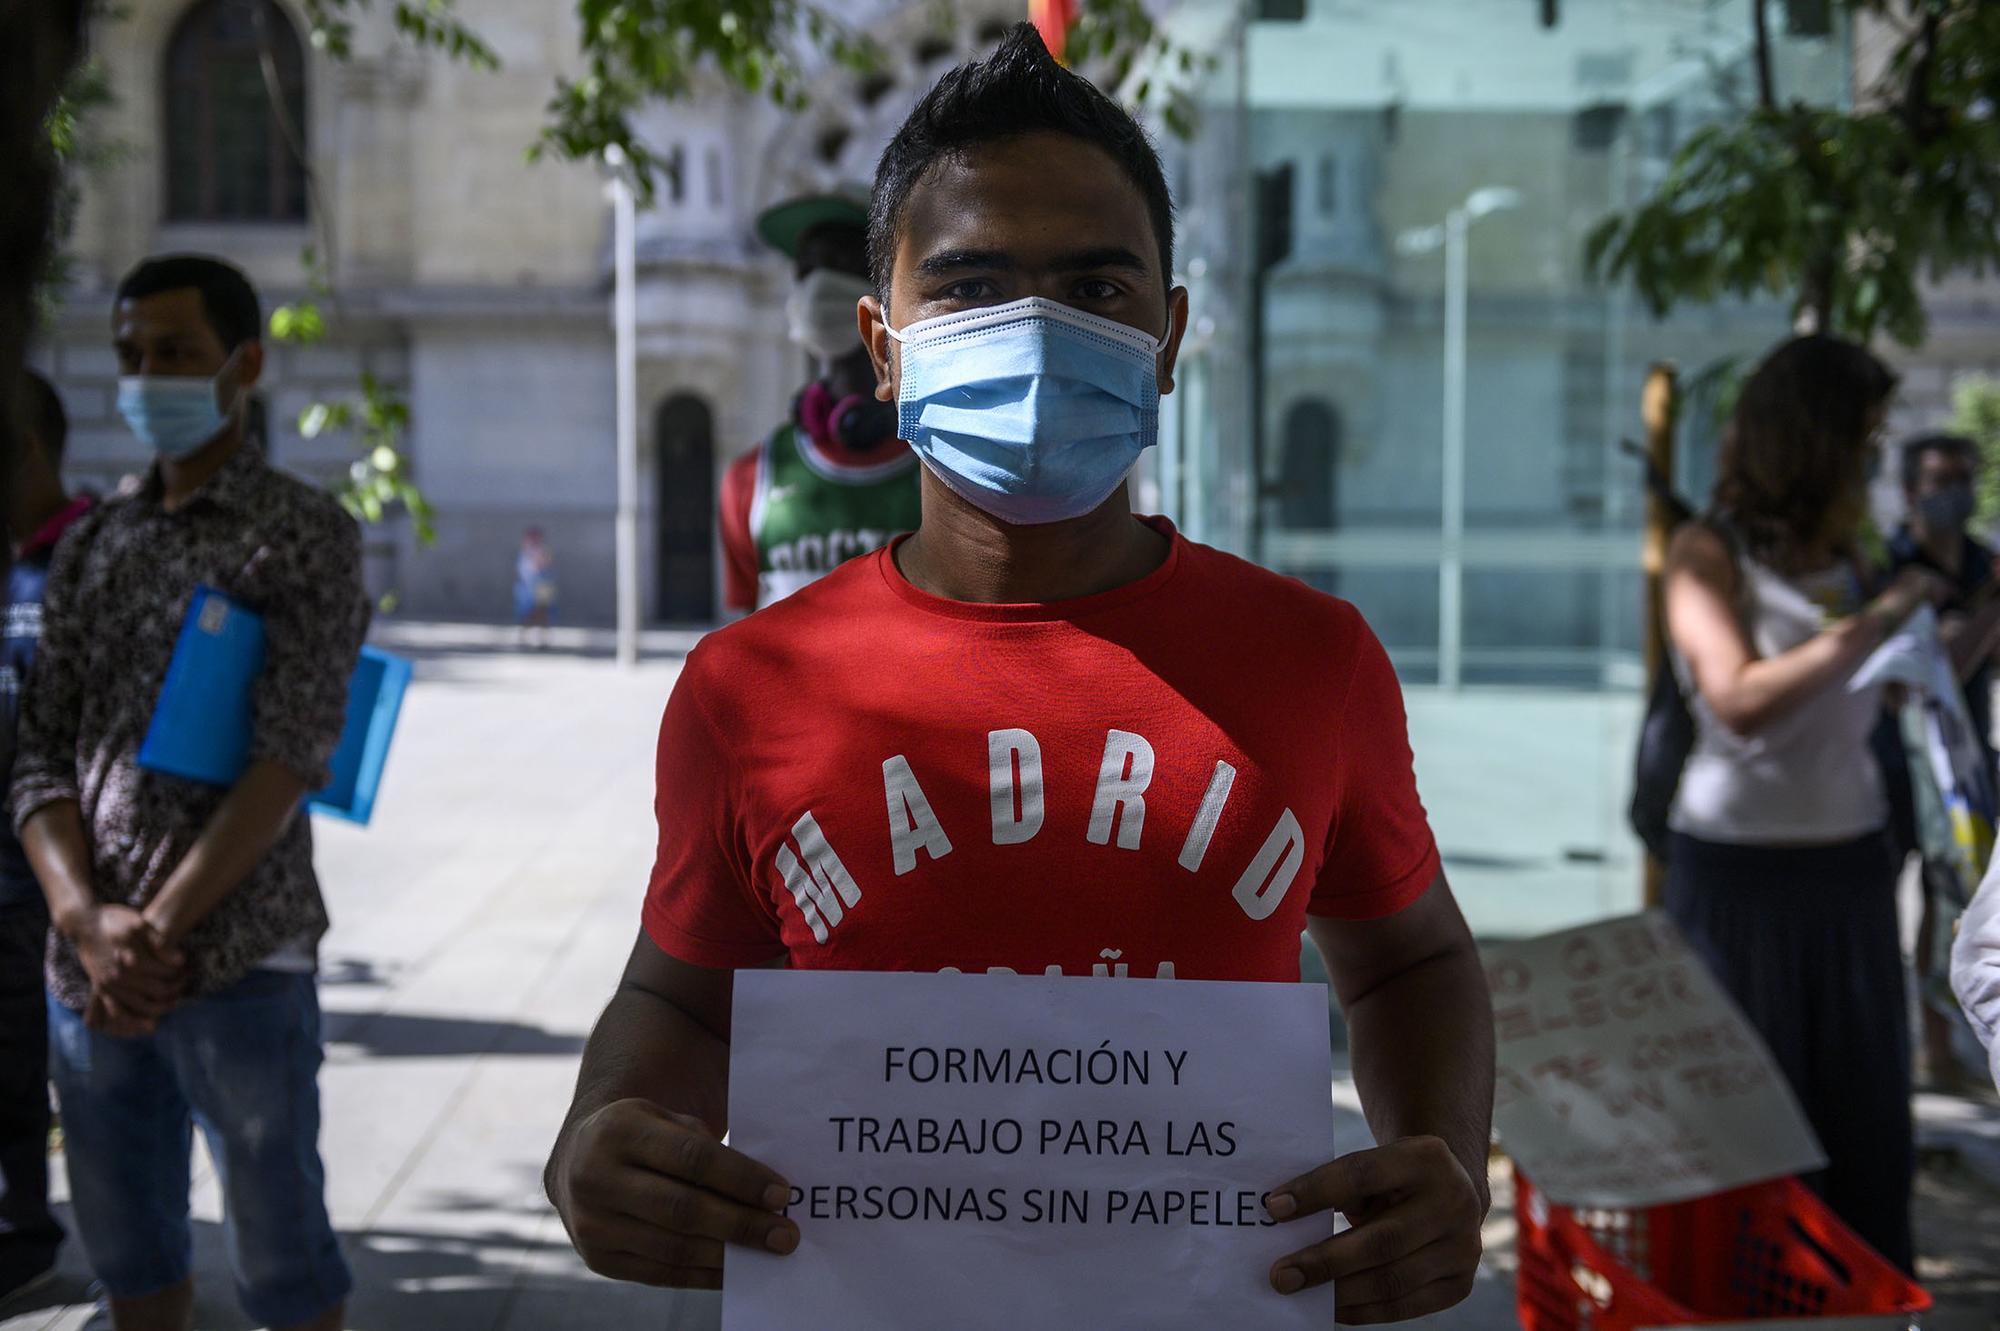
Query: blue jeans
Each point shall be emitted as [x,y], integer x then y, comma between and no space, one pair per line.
[243,1066]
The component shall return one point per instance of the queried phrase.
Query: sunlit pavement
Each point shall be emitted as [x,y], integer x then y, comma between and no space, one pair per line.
[481,921]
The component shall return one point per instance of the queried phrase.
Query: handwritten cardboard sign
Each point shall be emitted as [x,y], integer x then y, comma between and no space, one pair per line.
[1627,1077]
[1026,1151]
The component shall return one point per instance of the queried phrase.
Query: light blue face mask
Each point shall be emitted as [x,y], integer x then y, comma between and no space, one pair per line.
[1033,411]
[174,415]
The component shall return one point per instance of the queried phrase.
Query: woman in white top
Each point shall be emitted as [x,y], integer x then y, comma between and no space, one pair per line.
[1780,872]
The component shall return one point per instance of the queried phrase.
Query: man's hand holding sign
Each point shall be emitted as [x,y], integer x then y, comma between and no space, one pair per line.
[1037,738]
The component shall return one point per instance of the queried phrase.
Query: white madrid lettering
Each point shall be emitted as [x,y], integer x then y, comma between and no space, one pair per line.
[821,885]
[1264,884]
[1122,779]
[912,824]
[1207,816]
[1015,760]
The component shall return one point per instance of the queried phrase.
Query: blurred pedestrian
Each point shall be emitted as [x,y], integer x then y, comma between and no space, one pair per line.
[833,481]
[187,916]
[1938,473]
[534,588]
[1779,869]
[1975,970]
[41,511]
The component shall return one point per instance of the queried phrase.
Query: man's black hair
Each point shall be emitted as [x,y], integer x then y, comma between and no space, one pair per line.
[42,415]
[1019,89]
[1951,445]
[228,300]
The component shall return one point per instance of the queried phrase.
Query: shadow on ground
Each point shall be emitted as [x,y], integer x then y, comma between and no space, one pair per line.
[408,1280]
[396,1035]
[1958,1228]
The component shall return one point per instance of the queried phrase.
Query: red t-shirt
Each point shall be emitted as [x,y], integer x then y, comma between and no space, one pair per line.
[1163,779]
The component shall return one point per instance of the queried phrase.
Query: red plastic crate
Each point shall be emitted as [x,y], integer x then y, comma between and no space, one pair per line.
[1769,1251]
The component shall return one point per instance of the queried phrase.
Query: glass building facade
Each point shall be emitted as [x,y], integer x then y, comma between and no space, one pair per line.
[1311,426]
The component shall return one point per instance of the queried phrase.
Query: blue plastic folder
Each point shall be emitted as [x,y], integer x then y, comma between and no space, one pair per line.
[202,724]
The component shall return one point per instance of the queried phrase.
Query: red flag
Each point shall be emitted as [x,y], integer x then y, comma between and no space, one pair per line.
[1052,19]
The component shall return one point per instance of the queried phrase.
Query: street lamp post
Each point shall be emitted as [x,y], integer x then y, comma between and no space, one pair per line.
[1451,236]
[624,323]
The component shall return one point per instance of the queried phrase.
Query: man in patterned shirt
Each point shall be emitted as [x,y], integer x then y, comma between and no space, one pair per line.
[187,916]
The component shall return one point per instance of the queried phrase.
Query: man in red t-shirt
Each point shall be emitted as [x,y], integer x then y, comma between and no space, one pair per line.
[1038,736]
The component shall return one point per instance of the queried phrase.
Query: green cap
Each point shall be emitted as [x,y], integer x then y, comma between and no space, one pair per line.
[783,225]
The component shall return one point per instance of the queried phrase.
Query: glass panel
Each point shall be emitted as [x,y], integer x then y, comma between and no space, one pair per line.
[1349,166]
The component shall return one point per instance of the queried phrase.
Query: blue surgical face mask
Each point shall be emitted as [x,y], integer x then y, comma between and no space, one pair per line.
[173,414]
[1033,411]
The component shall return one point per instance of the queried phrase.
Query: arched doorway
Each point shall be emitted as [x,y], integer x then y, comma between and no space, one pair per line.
[684,511]
[1308,495]
[1308,488]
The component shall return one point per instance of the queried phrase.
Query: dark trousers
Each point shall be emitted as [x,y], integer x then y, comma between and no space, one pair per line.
[29,1235]
[1806,942]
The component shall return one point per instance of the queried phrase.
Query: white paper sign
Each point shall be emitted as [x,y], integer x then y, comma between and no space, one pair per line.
[1026,1151]
[1627,1077]
[1912,655]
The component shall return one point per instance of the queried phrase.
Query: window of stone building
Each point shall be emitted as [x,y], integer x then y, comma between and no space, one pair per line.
[1308,491]
[676,173]
[232,149]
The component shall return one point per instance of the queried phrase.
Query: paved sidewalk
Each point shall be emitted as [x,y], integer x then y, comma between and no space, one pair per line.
[480,924]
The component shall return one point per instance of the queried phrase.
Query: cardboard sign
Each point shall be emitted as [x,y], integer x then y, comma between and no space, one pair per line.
[1627,1077]
[1027,1151]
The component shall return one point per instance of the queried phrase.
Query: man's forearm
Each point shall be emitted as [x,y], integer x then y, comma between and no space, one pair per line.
[238,836]
[60,856]
[646,1047]
[1422,1048]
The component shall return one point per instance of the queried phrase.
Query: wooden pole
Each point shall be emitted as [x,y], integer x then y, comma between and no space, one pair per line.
[1659,409]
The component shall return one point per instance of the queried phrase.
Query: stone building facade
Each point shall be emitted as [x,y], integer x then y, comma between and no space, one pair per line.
[477,284]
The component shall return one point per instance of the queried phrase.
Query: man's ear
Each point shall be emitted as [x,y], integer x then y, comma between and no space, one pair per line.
[1177,317]
[874,324]
[249,363]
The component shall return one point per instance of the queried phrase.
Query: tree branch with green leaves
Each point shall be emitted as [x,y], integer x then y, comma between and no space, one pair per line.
[1843,213]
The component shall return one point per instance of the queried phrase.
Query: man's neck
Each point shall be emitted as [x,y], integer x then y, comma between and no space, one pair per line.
[962,553]
[1946,549]
[181,477]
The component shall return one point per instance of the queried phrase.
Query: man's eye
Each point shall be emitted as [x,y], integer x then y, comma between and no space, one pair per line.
[971,289]
[1096,288]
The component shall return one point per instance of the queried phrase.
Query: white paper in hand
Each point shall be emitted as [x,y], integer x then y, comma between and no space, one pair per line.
[1027,1151]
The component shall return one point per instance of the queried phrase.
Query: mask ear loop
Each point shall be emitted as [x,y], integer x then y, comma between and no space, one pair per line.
[214,379]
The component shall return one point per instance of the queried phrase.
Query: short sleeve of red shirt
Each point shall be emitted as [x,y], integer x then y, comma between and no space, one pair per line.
[739,547]
[699,905]
[1382,856]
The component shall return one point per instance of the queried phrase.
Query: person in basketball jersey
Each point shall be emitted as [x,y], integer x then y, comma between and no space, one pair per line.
[833,481]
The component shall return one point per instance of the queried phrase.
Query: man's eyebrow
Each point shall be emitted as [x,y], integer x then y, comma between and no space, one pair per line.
[952,261]
[1101,256]
[1107,256]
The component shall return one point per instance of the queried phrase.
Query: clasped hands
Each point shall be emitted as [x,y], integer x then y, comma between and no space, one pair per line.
[136,975]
